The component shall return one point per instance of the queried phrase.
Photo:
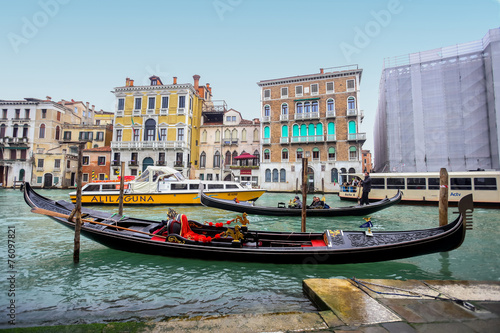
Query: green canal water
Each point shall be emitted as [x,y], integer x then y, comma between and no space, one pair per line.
[109,285]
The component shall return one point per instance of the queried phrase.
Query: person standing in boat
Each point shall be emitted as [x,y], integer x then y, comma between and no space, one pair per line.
[367,186]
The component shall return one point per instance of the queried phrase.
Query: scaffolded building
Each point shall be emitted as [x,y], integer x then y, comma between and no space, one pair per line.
[438,109]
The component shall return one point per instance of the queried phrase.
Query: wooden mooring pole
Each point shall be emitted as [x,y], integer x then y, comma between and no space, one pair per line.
[122,185]
[443,197]
[78,208]
[304,194]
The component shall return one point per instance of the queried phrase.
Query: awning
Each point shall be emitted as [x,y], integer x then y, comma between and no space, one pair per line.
[245,156]
[10,147]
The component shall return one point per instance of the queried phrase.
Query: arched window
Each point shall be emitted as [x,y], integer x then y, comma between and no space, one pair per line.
[331,132]
[307,107]
[352,130]
[275,175]
[227,161]
[235,153]
[295,131]
[15,129]
[204,136]
[282,176]
[353,153]
[335,176]
[217,136]
[267,154]
[331,154]
[227,135]
[255,135]
[267,132]
[217,160]
[351,103]
[284,108]
[330,106]
[284,154]
[315,107]
[352,170]
[234,135]
[203,159]
[303,130]
[244,135]
[284,131]
[300,153]
[58,132]
[41,134]
[315,153]
[268,175]
[25,131]
[311,130]
[257,157]
[298,108]
[149,132]
[319,130]
[2,130]
[267,111]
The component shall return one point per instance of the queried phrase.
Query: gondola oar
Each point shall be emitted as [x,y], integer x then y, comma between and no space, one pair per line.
[54,214]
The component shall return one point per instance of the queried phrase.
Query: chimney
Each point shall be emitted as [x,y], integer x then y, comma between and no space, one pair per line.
[48,98]
[321,71]
[63,102]
[196,79]
[175,79]
[93,106]
[131,83]
[127,82]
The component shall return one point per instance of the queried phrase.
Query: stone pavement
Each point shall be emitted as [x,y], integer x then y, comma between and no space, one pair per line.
[391,306]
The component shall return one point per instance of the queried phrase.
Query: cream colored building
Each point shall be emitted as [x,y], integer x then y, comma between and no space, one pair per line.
[225,136]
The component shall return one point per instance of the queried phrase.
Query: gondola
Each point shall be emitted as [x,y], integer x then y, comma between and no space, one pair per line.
[181,237]
[281,210]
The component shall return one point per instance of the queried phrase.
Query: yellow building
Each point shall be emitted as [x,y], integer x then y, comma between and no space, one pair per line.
[158,124]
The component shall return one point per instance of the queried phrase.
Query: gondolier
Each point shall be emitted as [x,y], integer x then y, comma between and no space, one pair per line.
[367,186]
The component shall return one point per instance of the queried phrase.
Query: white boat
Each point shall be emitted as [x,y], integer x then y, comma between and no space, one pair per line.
[163,186]
[423,187]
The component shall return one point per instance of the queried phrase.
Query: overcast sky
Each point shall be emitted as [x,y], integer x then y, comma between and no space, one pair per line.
[81,50]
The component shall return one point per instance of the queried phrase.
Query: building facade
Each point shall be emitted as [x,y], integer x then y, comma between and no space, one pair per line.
[316,116]
[225,136]
[438,109]
[158,124]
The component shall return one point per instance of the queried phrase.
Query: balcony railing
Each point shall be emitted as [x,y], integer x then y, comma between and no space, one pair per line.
[133,163]
[266,119]
[308,138]
[330,114]
[148,144]
[115,163]
[352,112]
[357,137]
[307,115]
[20,120]
[160,163]
[214,106]
[331,137]
[179,165]
[284,139]
[284,117]
[266,141]
[229,141]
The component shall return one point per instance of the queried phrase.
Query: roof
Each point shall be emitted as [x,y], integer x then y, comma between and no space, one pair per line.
[98,149]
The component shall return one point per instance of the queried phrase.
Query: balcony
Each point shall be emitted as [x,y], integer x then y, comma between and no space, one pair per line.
[4,120]
[352,112]
[229,141]
[115,163]
[136,145]
[356,137]
[181,111]
[330,114]
[306,139]
[266,119]
[284,139]
[284,117]
[307,115]
[132,163]
[331,137]
[160,163]
[20,120]
[266,141]
[214,106]
[179,164]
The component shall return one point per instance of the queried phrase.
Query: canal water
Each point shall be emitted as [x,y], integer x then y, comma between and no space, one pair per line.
[109,285]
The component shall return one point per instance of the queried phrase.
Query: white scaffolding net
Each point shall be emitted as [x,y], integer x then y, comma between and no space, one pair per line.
[433,112]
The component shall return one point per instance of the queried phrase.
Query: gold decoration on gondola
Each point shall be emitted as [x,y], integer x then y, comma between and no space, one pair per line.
[243,220]
[174,239]
[235,233]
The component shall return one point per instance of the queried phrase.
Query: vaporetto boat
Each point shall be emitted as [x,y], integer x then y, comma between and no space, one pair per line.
[423,187]
[163,186]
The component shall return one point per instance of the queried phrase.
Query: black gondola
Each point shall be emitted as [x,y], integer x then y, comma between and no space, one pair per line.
[223,242]
[282,210]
